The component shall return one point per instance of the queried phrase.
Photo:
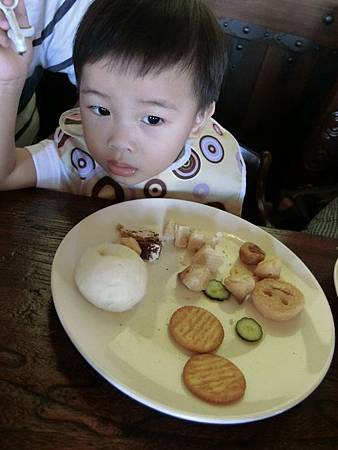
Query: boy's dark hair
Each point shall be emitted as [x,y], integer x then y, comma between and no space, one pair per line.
[156,35]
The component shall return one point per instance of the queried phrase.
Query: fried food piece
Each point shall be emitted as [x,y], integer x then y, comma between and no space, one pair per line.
[196,329]
[239,268]
[269,268]
[195,277]
[277,300]
[251,254]
[208,256]
[169,231]
[182,234]
[196,240]
[240,285]
[214,379]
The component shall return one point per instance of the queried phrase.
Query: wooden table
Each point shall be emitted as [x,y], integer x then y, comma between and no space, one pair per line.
[50,398]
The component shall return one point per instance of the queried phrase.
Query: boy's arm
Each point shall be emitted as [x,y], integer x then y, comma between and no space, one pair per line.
[16,165]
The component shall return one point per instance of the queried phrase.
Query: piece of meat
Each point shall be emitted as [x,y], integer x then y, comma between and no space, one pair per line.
[269,268]
[208,256]
[240,285]
[195,277]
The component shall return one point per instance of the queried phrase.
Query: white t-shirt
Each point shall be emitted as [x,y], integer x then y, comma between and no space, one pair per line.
[55,23]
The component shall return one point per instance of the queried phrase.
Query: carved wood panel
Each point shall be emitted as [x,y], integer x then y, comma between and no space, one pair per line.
[283,68]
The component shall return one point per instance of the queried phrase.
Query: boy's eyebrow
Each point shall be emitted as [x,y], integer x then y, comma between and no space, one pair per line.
[93,91]
[159,102]
[153,102]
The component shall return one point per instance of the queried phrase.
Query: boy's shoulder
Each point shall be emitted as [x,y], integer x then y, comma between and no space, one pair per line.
[213,140]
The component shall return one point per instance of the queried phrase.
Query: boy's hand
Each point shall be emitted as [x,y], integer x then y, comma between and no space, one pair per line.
[13,67]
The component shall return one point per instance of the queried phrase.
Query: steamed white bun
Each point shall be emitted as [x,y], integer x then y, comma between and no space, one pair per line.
[111,276]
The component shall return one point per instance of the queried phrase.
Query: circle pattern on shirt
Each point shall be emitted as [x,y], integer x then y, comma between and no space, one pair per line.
[108,188]
[212,149]
[190,169]
[217,128]
[155,188]
[201,190]
[83,162]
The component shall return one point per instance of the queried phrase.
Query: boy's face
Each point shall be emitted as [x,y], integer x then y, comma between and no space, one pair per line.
[135,127]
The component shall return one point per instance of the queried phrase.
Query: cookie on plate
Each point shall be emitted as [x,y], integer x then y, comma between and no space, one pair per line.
[277,299]
[196,329]
[214,379]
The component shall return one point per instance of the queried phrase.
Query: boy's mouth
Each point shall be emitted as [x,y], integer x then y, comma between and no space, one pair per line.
[120,169]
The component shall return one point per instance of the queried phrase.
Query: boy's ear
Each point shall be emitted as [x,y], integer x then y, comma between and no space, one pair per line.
[202,116]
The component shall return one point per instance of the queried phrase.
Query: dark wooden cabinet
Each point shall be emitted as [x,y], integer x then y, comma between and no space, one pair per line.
[281,92]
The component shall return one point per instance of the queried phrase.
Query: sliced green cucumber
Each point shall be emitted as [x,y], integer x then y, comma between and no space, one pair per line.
[216,291]
[249,329]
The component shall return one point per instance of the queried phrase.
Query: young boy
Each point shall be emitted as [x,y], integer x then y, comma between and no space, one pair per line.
[149,74]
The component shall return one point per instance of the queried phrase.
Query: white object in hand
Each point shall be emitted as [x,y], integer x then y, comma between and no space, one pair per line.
[111,276]
[15,33]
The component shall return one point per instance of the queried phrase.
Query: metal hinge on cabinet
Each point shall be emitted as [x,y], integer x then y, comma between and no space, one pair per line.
[249,32]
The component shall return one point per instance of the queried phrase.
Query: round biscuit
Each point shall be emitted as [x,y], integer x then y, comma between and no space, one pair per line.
[196,329]
[214,379]
[277,299]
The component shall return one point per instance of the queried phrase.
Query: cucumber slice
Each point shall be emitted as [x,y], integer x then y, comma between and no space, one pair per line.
[249,329]
[216,291]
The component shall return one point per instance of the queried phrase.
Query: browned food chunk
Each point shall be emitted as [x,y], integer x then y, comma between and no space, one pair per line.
[251,253]
[148,241]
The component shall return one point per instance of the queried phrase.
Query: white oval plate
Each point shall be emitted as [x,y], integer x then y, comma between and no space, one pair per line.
[134,351]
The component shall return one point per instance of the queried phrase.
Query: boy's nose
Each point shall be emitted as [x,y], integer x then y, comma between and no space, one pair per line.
[120,138]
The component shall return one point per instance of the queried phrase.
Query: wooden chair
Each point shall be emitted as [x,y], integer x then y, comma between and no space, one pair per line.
[255,207]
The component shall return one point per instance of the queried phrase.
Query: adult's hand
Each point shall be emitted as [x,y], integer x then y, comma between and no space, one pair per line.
[13,67]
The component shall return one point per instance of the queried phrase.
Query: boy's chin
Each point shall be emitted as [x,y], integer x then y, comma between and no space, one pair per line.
[130,181]
[140,177]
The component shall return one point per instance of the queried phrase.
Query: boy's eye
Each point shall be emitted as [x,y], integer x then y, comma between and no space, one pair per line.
[152,120]
[100,111]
